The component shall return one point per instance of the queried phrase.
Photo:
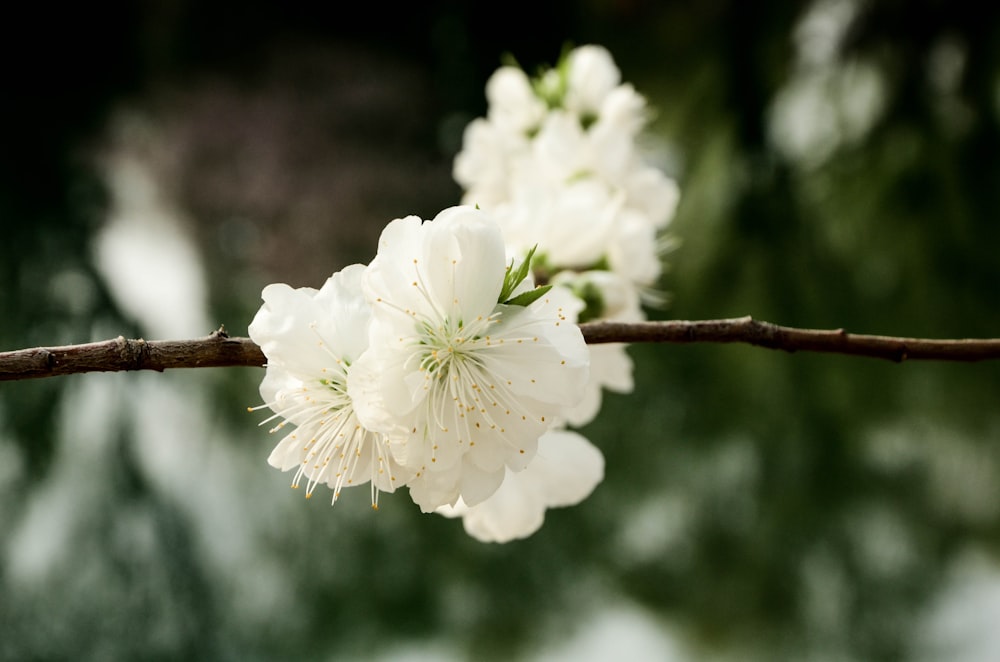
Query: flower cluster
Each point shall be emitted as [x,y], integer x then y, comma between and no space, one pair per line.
[438,366]
[557,161]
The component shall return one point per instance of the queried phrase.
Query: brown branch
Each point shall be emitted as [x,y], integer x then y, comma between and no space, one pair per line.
[215,350]
[220,350]
[764,334]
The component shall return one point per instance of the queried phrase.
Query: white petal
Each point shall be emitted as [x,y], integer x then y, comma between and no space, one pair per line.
[580,223]
[550,364]
[655,194]
[464,261]
[276,380]
[633,253]
[610,368]
[514,512]
[457,509]
[281,326]
[305,328]
[365,386]
[592,76]
[560,149]
[451,267]
[513,105]
[287,454]
[344,306]
[431,490]
[569,467]
[477,485]
[622,111]
[565,471]
[390,276]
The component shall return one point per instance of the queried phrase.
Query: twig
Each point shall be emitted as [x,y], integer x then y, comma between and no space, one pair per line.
[772,336]
[215,350]
[220,350]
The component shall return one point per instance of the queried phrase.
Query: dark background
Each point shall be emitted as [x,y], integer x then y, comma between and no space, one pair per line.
[757,505]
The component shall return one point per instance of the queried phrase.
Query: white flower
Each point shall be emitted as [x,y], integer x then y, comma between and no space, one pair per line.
[605,295]
[610,369]
[484,165]
[622,110]
[572,225]
[311,338]
[633,254]
[565,471]
[513,105]
[612,137]
[592,75]
[560,150]
[654,194]
[481,167]
[577,186]
[462,385]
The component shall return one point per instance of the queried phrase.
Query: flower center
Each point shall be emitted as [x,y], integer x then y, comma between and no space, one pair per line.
[441,347]
[450,349]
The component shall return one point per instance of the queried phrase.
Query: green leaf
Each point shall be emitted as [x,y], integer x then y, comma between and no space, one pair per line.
[507,59]
[508,285]
[514,278]
[529,297]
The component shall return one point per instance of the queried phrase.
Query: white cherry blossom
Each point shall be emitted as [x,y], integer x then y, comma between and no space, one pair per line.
[572,225]
[557,161]
[592,76]
[463,386]
[513,108]
[654,194]
[310,338]
[603,295]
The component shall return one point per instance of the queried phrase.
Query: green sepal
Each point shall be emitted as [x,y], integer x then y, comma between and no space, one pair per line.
[512,278]
[529,297]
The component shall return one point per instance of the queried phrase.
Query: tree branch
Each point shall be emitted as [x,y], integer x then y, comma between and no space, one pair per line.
[220,350]
[772,336]
[215,350]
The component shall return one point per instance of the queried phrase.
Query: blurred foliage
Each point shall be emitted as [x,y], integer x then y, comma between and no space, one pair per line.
[783,506]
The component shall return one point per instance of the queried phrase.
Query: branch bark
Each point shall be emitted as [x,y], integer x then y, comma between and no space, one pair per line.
[213,351]
[221,350]
[749,331]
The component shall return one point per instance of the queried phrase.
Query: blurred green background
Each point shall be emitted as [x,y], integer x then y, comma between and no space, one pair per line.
[161,162]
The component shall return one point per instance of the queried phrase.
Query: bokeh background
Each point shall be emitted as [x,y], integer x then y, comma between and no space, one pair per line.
[161,162]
